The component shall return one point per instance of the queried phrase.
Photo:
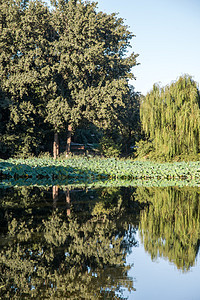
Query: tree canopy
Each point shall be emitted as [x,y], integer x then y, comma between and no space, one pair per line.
[60,66]
[67,67]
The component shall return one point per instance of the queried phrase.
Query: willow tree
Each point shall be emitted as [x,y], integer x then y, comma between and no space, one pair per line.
[91,69]
[171,118]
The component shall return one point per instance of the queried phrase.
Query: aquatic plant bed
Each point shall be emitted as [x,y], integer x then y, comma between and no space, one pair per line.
[116,183]
[83,168]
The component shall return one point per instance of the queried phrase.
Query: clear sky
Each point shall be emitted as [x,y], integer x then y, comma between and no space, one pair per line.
[167,38]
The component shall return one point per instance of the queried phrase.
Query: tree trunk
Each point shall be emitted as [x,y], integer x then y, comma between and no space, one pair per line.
[55,146]
[55,195]
[68,202]
[69,135]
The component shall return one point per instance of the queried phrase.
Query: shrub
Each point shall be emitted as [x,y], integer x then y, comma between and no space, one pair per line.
[109,148]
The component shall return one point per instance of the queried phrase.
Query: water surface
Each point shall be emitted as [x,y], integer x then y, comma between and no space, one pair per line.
[104,243]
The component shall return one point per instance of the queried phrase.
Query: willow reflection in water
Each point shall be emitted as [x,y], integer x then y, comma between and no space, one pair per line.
[170,226]
[45,254]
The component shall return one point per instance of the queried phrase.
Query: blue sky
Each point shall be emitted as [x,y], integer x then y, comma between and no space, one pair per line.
[167,38]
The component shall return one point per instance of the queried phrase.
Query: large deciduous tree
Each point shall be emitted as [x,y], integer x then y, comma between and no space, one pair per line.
[91,69]
[171,118]
[60,66]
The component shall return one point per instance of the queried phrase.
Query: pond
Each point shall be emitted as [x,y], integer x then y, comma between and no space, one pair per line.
[62,242]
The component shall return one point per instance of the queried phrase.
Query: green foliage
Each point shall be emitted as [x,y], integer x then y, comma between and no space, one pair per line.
[25,38]
[109,148]
[171,118]
[91,69]
[87,133]
[143,148]
[83,169]
[129,120]
[58,67]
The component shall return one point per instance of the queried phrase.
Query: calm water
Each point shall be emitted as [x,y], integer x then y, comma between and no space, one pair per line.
[105,243]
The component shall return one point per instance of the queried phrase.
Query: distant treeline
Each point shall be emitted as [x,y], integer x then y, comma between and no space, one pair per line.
[64,75]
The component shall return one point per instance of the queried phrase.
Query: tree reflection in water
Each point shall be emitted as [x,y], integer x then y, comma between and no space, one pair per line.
[72,244]
[170,226]
[50,248]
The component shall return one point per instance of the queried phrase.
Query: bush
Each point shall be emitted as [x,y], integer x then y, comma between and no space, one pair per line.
[109,148]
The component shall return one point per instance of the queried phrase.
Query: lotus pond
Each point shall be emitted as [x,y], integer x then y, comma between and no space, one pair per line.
[105,239]
[92,169]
